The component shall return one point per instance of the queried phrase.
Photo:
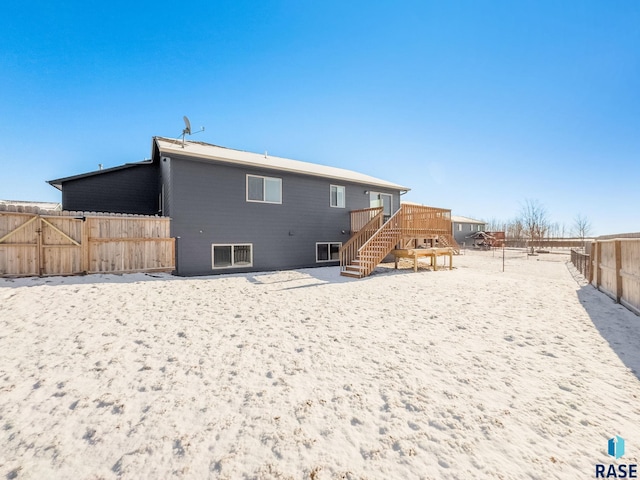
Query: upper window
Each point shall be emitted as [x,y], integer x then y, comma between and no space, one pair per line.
[229,256]
[337,196]
[264,189]
[459,227]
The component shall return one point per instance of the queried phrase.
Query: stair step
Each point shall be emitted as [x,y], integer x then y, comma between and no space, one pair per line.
[353,268]
[346,273]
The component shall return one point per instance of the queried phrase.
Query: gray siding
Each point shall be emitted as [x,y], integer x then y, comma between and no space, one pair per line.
[207,203]
[166,187]
[129,190]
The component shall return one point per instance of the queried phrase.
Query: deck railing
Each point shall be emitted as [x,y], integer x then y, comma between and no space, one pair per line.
[419,220]
[360,218]
[349,251]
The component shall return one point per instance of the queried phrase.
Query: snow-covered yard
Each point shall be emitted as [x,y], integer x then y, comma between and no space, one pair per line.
[469,373]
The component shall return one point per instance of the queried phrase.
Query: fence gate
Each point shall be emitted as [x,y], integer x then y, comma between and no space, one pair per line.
[60,249]
[40,245]
[18,244]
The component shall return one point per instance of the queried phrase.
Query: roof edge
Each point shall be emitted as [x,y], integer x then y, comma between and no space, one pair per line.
[463,219]
[378,183]
[57,182]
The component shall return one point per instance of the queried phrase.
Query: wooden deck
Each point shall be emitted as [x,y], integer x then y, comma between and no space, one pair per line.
[431,253]
[408,226]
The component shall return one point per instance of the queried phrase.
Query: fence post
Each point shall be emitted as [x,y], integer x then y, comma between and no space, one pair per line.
[618,252]
[592,252]
[84,250]
[598,271]
[40,249]
[176,263]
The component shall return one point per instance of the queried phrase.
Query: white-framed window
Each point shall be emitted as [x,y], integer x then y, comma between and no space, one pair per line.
[235,255]
[479,228]
[328,251]
[459,227]
[337,196]
[264,189]
[470,227]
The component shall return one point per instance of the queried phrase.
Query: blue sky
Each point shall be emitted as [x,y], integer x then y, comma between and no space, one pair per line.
[476,105]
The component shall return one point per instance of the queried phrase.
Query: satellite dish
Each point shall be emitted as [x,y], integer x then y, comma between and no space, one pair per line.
[187,129]
[187,125]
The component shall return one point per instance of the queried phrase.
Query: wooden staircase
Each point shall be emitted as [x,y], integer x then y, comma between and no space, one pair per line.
[447,240]
[375,240]
[374,249]
[350,262]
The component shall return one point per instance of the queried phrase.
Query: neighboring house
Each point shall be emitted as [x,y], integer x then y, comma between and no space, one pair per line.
[27,204]
[233,210]
[463,229]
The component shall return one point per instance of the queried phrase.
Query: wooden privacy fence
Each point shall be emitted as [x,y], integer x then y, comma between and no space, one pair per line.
[69,243]
[547,242]
[615,270]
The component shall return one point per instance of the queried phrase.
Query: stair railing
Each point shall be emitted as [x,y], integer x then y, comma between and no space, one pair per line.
[349,251]
[381,243]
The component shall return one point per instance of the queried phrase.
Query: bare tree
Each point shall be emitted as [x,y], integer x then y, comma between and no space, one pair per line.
[534,220]
[582,227]
[554,230]
[515,229]
[495,225]
[557,230]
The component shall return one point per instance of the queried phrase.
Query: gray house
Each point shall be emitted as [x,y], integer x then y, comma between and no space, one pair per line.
[236,211]
[464,228]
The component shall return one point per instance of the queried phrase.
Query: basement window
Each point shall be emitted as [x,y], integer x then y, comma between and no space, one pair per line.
[328,251]
[232,255]
[264,189]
